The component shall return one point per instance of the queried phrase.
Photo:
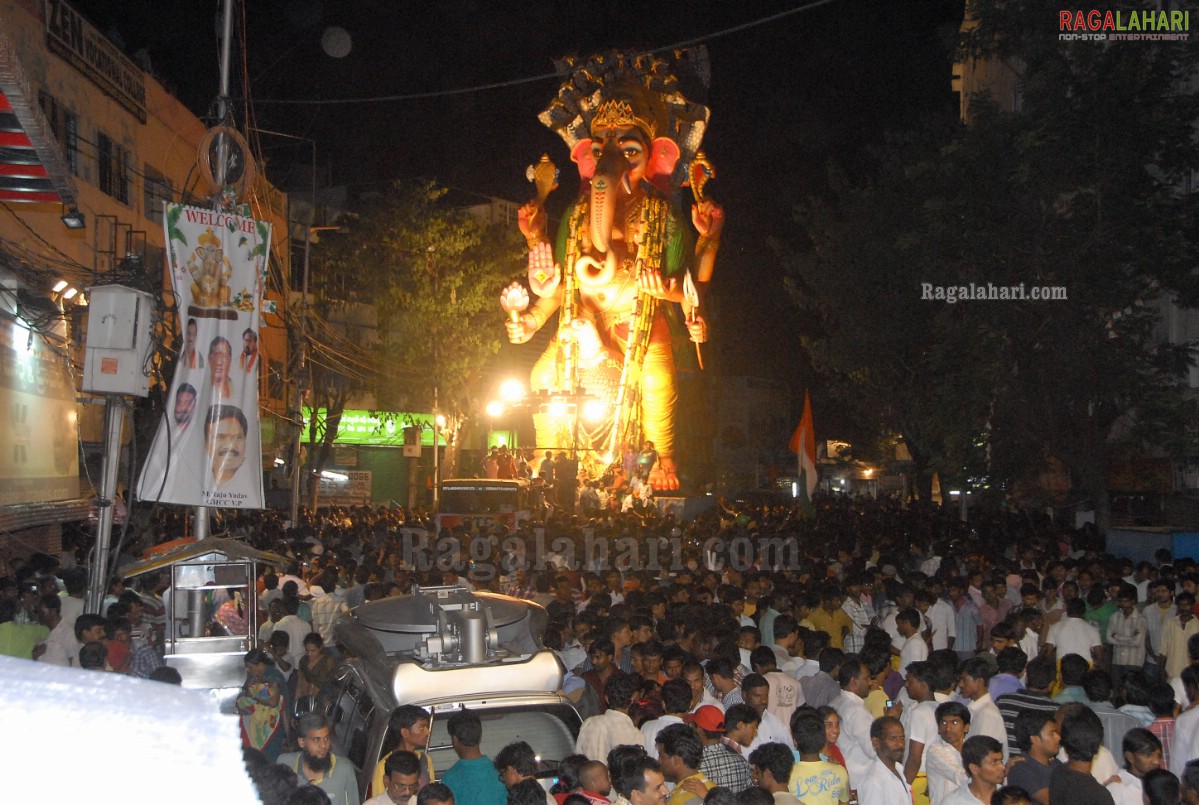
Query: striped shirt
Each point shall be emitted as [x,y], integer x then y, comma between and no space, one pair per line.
[1011,705]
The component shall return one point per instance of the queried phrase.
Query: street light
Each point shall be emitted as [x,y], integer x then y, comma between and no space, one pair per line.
[512,390]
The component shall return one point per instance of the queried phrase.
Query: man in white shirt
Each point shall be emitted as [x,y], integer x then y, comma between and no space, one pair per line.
[676,701]
[1158,612]
[913,649]
[904,598]
[940,615]
[1142,754]
[786,635]
[401,780]
[983,758]
[919,719]
[854,741]
[1126,632]
[693,675]
[1186,726]
[943,758]
[858,609]
[785,694]
[1073,635]
[296,629]
[1180,694]
[327,607]
[882,781]
[62,646]
[755,691]
[613,727]
[985,718]
[1139,578]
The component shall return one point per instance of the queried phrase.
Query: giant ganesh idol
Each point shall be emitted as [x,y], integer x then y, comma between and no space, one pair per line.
[626,271]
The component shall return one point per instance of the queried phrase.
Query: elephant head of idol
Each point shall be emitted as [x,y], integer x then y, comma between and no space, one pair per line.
[624,150]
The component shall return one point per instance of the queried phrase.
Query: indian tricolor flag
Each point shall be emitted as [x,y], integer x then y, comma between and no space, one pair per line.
[803,443]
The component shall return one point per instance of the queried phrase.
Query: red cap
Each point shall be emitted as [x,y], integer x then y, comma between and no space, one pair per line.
[708,718]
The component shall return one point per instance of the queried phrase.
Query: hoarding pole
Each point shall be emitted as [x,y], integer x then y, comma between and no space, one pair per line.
[436,456]
[222,173]
[301,378]
[97,582]
[302,370]
[200,523]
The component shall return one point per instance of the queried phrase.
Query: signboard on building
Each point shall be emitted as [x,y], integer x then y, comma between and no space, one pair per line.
[73,38]
[39,431]
[383,429]
[352,485]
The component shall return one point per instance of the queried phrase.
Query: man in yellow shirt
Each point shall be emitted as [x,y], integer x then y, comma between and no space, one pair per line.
[1176,632]
[815,781]
[829,617]
[410,724]
[680,753]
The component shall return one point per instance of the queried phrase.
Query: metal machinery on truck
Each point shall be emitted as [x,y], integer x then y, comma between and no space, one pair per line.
[444,649]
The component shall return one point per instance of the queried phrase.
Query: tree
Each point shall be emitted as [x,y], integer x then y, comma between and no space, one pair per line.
[1083,187]
[337,370]
[433,274]
[858,284]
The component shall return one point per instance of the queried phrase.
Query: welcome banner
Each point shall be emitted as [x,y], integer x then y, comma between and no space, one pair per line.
[207,451]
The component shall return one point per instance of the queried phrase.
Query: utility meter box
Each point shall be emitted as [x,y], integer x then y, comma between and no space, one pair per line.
[119,330]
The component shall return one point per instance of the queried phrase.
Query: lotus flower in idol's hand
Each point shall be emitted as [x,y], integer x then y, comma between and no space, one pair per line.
[514,300]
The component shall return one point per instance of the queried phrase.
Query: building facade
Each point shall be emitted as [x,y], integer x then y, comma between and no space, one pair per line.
[91,147]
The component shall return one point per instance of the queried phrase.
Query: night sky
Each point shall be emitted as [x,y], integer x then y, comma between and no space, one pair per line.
[787,99]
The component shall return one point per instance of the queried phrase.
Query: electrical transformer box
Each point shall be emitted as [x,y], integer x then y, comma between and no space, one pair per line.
[119,338]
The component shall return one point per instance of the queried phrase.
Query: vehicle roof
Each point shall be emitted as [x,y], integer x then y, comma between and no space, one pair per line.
[211,549]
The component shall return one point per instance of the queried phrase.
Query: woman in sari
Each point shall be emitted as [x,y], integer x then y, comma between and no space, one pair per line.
[260,705]
[316,673]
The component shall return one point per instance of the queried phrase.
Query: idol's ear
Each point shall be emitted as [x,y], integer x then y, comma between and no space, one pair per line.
[663,156]
[581,155]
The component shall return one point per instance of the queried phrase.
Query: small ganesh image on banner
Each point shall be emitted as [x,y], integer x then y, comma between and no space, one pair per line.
[210,272]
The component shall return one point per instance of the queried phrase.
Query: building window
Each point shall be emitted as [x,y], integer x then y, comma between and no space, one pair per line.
[65,127]
[158,190]
[113,163]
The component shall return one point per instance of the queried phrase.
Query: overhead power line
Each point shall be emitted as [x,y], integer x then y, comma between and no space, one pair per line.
[413,96]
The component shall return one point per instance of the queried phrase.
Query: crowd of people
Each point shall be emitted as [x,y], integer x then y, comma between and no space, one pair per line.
[560,482]
[890,655]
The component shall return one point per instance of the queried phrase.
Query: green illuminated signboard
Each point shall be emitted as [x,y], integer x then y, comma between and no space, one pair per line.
[376,430]
[501,438]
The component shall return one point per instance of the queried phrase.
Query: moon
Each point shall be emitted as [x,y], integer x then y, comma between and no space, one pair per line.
[336,42]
